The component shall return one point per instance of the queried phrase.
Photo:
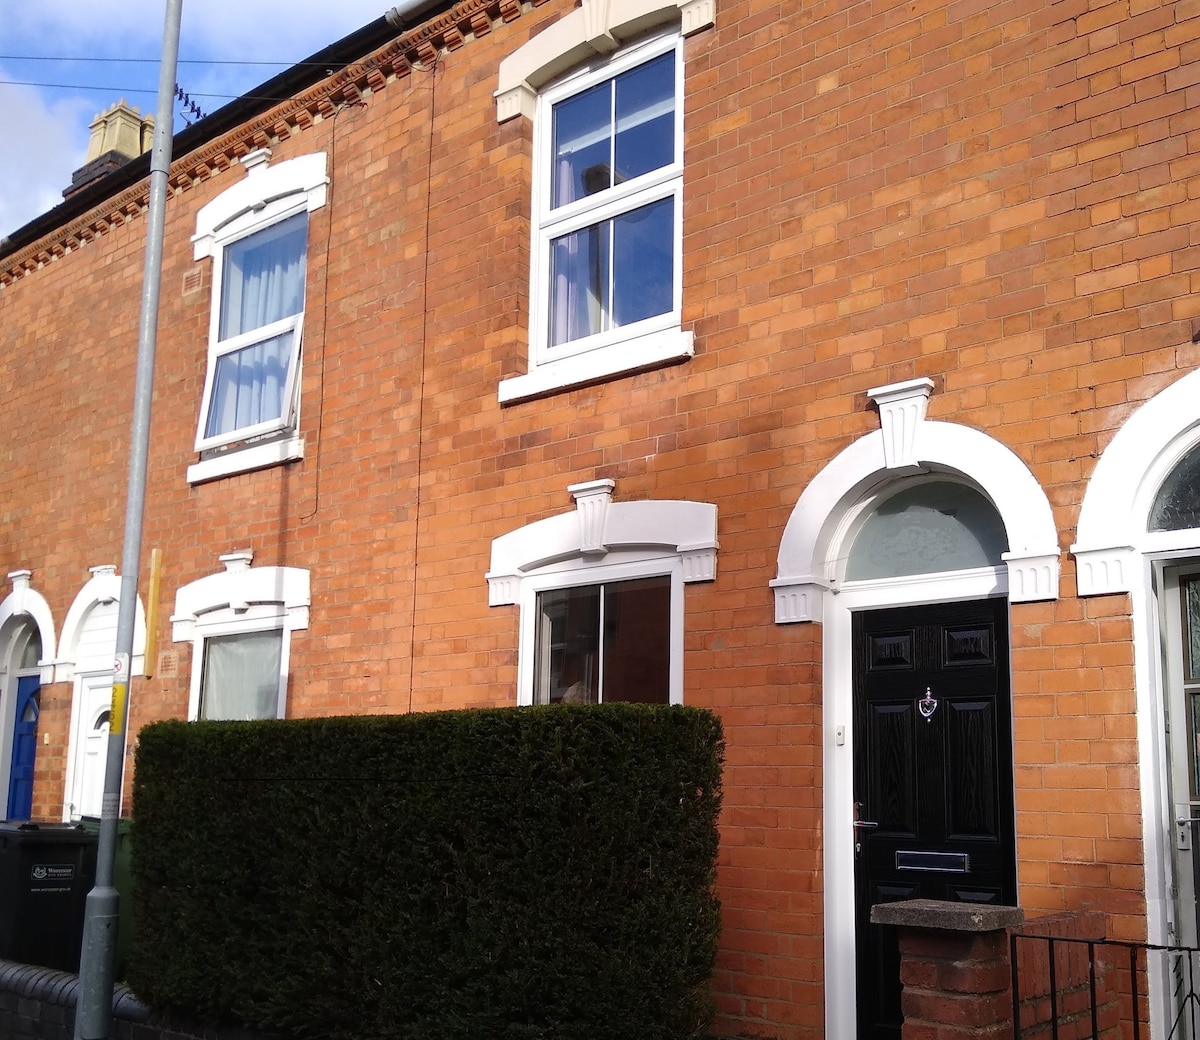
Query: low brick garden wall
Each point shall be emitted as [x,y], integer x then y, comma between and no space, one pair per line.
[39,1004]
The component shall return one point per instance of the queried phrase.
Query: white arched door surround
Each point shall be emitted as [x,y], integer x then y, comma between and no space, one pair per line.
[22,612]
[1116,554]
[86,654]
[811,586]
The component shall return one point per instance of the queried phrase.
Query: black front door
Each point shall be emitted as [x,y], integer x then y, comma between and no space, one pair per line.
[932,776]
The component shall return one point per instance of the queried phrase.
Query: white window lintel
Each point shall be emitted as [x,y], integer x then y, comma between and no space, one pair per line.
[601,531]
[234,591]
[264,196]
[597,27]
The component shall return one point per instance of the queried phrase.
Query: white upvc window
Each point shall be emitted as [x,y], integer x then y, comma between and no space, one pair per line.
[240,623]
[256,233]
[606,272]
[242,670]
[604,634]
[254,343]
[601,595]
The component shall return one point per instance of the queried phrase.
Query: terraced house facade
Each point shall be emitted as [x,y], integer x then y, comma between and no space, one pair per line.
[830,365]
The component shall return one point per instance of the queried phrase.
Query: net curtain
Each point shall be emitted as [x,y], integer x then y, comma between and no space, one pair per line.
[263,282]
[241,675]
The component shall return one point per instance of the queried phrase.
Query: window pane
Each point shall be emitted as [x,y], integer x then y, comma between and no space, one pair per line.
[632,662]
[567,658]
[613,273]
[241,675]
[637,641]
[263,277]
[1191,621]
[31,651]
[1177,504]
[645,118]
[936,526]
[643,262]
[579,299]
[583,144]
[249,384]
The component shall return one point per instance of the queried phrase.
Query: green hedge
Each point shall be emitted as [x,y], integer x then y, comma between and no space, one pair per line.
[513,873]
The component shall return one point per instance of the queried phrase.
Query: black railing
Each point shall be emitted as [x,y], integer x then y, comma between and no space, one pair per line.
[1069,988]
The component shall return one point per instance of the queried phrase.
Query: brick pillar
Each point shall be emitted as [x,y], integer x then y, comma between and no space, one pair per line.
[954,968]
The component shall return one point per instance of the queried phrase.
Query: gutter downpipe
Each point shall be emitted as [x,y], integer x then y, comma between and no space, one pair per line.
[97,964]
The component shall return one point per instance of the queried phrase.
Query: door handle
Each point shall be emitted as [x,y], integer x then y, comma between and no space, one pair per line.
[860,825]
[1183,832]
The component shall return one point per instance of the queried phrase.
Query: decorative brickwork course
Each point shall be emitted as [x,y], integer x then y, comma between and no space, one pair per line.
[1000,196]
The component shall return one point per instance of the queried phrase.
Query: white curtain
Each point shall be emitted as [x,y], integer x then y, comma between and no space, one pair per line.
[241,676]
[249,384]
[263,282]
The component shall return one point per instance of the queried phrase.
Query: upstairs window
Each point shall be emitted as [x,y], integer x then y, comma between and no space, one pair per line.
[610,227]
[249,387]
[256,234]
[606,281]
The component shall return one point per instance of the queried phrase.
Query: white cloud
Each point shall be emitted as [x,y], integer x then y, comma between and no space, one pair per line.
[46,144]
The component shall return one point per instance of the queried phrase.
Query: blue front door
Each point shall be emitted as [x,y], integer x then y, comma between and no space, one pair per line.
[20,785]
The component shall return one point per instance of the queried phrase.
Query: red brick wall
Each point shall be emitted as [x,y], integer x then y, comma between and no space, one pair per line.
[999,196]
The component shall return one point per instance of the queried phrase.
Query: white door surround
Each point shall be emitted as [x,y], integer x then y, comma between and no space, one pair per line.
[86,654]
[811,587]
[21,609]
[1116,554]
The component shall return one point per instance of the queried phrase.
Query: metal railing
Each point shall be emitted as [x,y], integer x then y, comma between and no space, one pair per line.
[1069,988]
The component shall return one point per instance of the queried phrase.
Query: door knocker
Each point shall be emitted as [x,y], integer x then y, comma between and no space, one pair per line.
[927,705]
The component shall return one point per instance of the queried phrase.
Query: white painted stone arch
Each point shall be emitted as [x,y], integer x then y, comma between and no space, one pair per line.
[809,550]
[809,587]
[26,603]
[103,588]
[24,606]
[1115,554]
[1111,534]
[86,653]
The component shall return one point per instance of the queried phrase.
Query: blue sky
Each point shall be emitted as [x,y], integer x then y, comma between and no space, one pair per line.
[47,104]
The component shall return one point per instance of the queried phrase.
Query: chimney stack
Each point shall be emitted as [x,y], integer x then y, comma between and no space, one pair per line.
[119,134]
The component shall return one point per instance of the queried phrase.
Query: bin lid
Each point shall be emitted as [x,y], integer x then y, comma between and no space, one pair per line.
[45,834]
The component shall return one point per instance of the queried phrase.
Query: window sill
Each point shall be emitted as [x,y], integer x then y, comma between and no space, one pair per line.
[258,456]
[617,360]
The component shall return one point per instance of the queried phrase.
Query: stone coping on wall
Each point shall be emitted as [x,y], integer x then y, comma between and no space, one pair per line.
[944,916]
[39,1004]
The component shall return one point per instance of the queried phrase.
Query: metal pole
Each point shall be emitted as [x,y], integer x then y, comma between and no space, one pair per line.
[97,963]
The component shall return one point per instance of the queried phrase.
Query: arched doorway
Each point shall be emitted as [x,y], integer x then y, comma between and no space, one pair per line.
[1139,533]
[26,707]
[938,603]
[26,640]
[86,654]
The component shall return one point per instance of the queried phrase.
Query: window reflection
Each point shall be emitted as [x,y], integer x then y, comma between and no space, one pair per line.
[1177,505]
[608,642]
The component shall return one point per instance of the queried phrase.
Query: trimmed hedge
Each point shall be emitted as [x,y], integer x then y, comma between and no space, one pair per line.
[529,873]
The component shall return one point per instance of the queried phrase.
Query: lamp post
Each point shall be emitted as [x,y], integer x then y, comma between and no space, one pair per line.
[97,963]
